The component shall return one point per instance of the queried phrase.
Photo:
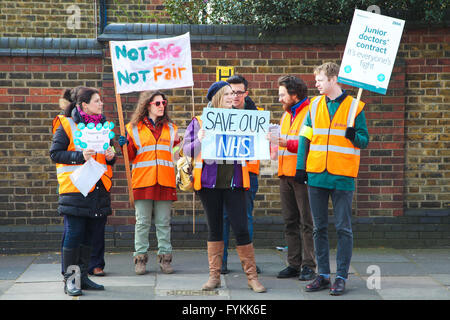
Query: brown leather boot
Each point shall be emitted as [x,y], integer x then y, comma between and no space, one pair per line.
[215,253]
[164,262]
[247,255]
[140,261]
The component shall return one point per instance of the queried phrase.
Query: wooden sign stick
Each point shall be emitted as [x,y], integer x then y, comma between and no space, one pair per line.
[122,133]
[353,111]
[193,193]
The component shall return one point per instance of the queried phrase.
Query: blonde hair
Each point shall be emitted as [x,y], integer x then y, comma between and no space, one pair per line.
[217,99]
[330,69]
[142,108]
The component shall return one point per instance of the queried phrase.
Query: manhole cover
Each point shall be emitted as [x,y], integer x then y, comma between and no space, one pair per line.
[192,293]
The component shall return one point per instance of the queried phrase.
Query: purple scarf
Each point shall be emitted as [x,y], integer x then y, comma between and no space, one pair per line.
[96,118]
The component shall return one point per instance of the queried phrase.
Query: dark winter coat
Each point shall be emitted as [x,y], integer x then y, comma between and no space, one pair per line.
[97,204]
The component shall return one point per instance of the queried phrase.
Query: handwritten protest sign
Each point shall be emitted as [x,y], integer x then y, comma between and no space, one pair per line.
[370,51]
[94,137]
[233,134]
[152,64]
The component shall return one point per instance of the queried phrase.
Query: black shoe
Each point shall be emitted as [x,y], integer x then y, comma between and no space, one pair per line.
[224,269]
[338,287]
[258,270]
[306,274]
[288,272]
[88,284]
[318,284]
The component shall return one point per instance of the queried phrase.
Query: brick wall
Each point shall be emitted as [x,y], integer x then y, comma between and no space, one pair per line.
[427,57]
[49,18]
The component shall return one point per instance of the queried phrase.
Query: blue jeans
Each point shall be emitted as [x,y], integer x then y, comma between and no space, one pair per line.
[80,231]
[249,198]
[98,243]
[342,209]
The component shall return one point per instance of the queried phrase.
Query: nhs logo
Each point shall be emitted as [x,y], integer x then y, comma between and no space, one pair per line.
[234,146]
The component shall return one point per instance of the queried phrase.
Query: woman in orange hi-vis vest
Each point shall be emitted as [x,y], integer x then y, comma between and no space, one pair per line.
[151,138]
[84,215]
[221,185]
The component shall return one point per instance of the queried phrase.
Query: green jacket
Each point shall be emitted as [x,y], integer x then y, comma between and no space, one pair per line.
[325,179]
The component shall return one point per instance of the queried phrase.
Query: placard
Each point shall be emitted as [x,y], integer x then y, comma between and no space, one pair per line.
[370,51]
[152,64]
[95,137]
[234,134]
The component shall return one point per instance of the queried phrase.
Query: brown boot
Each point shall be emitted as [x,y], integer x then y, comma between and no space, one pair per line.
[247,255]
[215,253]
[164,262]
[140,261]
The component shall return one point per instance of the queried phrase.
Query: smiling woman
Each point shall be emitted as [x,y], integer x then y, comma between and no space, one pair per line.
[151,138]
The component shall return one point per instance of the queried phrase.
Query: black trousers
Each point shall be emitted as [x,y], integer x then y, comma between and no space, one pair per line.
[214,201]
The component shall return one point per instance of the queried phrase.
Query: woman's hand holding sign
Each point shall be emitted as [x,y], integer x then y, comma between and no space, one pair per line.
[87,153]
[109,154]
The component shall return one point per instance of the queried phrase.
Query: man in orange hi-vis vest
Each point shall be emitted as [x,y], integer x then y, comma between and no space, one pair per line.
[328,158]
[294,196]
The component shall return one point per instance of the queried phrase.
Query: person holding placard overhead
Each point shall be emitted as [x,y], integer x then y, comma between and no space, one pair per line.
[151,138]
[221,185]
[83,214]
[328,158]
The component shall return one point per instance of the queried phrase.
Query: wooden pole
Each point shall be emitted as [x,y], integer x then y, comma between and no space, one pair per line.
[353,111]
[122,133]
[193,193]
[358,98]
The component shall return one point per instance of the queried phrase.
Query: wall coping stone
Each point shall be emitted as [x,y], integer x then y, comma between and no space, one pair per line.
[50,47]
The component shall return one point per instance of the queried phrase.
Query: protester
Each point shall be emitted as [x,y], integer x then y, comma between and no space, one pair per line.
[294,196]
[241,100]
[151,137]
[85,216]
[97,263]
[330,167]
[219,186]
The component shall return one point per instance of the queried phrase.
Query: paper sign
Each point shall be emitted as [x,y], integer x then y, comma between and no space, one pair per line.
[94,137]
[233,134]
[152,64]
[370,51]
[86,176]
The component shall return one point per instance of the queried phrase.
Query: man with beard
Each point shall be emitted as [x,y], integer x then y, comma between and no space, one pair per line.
[295,207]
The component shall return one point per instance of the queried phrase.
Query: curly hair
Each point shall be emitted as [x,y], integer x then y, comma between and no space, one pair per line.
[142,108]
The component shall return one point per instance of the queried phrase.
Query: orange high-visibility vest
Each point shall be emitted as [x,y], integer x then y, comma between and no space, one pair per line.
[56,122]
[329,149]
[287,161]
[198,166]
[153,162]
[253,166]
[63,171]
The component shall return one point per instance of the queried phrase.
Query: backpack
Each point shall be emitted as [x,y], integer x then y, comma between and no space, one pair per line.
[185,178]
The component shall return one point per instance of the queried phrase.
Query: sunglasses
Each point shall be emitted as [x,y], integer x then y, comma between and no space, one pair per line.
[158,103]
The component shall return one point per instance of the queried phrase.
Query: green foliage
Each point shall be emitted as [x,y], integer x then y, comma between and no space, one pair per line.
[276,14]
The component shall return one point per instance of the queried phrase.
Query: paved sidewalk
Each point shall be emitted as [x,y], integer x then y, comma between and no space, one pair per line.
[404,275]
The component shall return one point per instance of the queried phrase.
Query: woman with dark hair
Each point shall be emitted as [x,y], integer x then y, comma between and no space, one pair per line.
[151,138]
[84,216]
[221,185]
